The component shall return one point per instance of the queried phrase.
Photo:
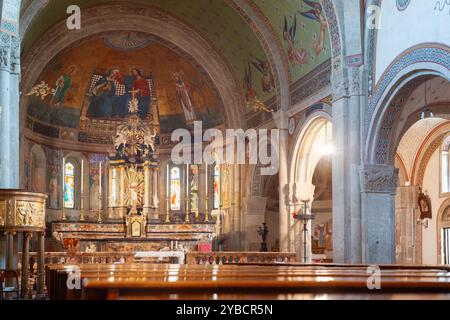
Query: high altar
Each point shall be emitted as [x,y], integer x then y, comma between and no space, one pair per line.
[132,220]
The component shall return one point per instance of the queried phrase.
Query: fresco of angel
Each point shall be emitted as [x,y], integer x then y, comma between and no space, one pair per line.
[267,80]
[295,56]
[316,14]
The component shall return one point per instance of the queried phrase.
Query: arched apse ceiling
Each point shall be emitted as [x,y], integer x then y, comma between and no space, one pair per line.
[218,22]
[299,28]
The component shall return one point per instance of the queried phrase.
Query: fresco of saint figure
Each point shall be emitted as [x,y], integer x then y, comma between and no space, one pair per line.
[53,192]
[63,85]
[193,188]
[137,87]
[185,97]
[104,95]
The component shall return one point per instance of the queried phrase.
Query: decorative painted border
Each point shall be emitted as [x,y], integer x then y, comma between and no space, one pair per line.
[402,4]
[431,54]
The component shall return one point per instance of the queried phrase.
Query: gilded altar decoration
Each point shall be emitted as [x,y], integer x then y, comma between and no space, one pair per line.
[2,213]
[134,141]
[41,90]
[134,186]
[30,214]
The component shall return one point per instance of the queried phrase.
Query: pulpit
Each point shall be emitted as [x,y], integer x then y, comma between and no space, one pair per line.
[23,212]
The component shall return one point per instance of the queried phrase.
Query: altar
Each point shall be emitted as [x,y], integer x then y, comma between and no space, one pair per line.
[129,215]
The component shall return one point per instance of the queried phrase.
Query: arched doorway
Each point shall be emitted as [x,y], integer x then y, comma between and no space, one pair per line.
[310,179]
[398,136]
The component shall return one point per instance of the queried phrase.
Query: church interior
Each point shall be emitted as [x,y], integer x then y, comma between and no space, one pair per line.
[317,134]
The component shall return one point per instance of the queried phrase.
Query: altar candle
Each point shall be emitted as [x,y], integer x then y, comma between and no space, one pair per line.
[63,182]
[206,180]
[82,176]
[100,178]
[167,182]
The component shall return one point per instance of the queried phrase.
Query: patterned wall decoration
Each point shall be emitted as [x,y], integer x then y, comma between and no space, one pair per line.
[303,29]
[403,4]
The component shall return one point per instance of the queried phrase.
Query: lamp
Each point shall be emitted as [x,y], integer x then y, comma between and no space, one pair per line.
[427,113]
[304,215]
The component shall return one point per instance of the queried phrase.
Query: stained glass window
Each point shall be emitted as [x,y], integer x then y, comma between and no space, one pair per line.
[216,187]
[69,186]
[175,188]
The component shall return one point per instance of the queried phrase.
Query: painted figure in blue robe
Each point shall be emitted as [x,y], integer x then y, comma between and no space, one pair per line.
[104,96]
[137,87]
[63,85]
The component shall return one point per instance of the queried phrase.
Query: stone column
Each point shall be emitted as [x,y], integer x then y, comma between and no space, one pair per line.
[348,96]
[281,120]
[406,206]
[378,188]
[9,94]
[10,250]
[25,264]
[41,265]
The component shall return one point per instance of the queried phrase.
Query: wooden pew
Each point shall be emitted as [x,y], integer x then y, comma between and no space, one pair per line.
[239,281]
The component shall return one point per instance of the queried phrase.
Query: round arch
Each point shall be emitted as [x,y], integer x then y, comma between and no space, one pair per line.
[443,221]
[407,72]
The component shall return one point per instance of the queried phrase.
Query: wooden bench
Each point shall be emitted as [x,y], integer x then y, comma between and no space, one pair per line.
[241,281]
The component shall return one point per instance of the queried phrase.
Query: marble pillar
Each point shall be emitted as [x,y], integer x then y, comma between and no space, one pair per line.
[281,120]
[378,188]
[348,97]
[41,265]
[406,213]
[25,264]
[10,250]
[9,94]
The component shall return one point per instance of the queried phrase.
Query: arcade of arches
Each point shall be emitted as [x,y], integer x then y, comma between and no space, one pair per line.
[87,116]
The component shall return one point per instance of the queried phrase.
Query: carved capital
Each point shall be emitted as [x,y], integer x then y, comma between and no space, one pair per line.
[339,84]
[281,119]
[378,178]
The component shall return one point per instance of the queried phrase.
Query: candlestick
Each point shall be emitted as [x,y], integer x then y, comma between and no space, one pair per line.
[206,194]
[187,194]
[64,190]
[100,198]
[82,191]
[167,196]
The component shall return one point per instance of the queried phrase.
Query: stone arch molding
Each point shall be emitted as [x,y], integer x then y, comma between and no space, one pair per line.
[387,100]
[100,19]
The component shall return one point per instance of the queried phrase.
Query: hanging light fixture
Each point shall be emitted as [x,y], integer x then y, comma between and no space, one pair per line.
[427,113]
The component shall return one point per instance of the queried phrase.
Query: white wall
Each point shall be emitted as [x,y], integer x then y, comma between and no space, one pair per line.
[429,235]
[401,30]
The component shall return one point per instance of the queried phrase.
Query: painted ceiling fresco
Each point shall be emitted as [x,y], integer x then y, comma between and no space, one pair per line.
[215,19]
[303,30]
[96,79]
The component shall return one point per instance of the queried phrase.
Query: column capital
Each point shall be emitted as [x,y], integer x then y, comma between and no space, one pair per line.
[10,232]
[281,119]
[27,234]
[378,178]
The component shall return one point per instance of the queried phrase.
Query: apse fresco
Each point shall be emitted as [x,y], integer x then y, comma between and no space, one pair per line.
[221,25]
[302,27]
[97,79]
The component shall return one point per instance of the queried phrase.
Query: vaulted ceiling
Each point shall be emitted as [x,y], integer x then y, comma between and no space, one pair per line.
[298,25]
